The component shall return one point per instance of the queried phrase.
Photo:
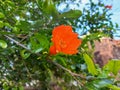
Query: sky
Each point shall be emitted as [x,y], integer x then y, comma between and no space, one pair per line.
[115,11]
[116,16]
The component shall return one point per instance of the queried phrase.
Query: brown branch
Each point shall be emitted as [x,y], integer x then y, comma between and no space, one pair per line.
[79,83]
[65,69]
[16,42]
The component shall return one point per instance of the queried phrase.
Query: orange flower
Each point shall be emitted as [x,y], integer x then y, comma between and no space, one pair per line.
[64,40]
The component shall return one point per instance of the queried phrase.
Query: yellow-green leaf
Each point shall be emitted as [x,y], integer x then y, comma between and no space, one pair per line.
[113,87]
[24,54]
[90,64]
[1,24]
[21,88]
[3,44]
[113,66]
[2,15]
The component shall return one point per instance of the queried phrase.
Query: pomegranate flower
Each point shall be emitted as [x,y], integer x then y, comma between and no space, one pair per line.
[64,40]
[108,6]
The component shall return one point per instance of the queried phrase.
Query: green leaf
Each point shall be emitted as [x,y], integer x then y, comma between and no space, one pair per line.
[15,88]
[98,84]
[3,44]
[39,42]
[8,25]
[25,26]
[1,24]
[90,64]
[12,4]
[113,87]
[48,7]
[21,88]
[102,83]
[6,87]
[116,25]
[113,66]
[2,15]
[61,60]
[72,14]
[24,54]
[95,36]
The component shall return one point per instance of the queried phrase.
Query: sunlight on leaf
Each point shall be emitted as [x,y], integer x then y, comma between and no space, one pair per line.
[113,66]
[24,54]
[21,88]
[2,15]
[113,87]
[3,44]
[90,64]
[1,24]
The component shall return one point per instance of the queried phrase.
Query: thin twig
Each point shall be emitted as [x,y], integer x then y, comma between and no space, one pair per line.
[28,71]
[65,69]
[79,83]
[16,42]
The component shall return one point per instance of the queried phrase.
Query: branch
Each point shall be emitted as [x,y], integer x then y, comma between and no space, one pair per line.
[65,69]
[16,42]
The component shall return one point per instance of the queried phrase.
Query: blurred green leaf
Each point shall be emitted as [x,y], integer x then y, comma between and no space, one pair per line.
[8,25]
[2,15]
[113,66]
[3,44]
[95,36]
[39,42]
[72,14]
[1,24]
[117,25]
[48,7]
[21,88]
[24,54]
[6,87]
[60,59]
[113,87]
[90,64]
[99,84]
[102,83]
[25,26]
[12,4]
[14,88]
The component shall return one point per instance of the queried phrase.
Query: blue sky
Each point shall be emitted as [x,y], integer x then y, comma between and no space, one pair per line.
[116,14]
[116,11]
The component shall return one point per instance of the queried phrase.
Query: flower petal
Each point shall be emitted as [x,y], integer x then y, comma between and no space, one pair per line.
[65,40]
[52,50]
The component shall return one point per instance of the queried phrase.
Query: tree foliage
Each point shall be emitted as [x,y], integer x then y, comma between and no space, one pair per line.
[25,38]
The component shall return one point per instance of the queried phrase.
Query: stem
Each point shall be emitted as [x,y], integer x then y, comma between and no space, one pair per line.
[67,70]
[16,42]
[28,71]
